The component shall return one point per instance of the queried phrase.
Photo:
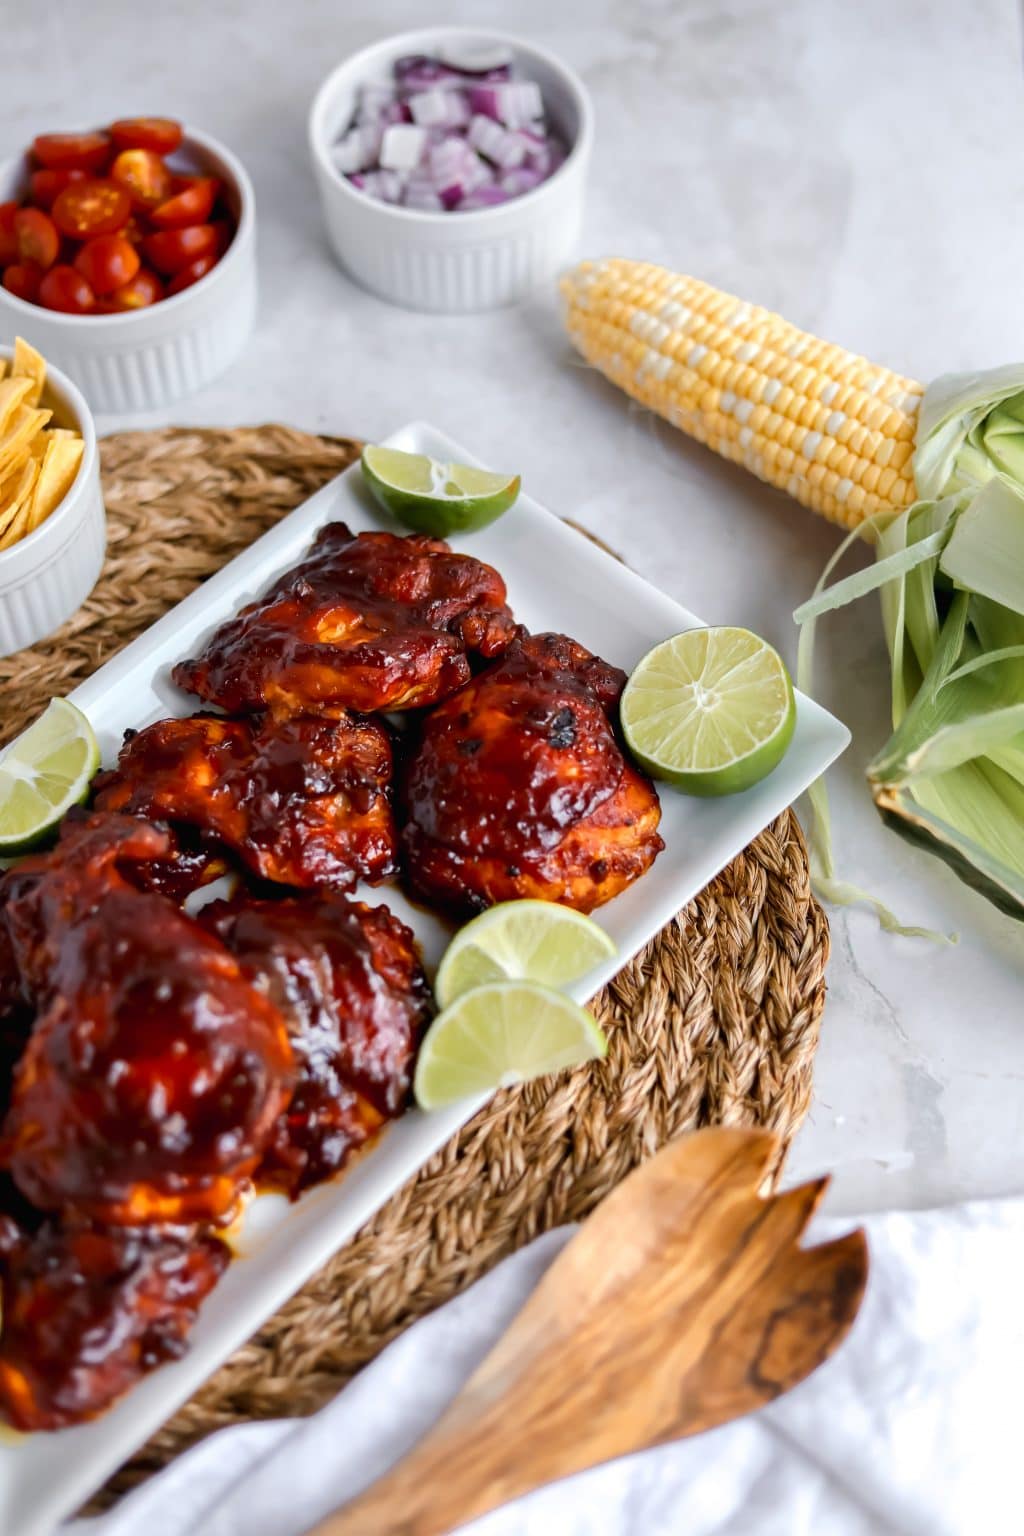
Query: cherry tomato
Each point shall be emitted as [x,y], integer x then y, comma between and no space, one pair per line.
[37,236]
[143,289]
[224,230]
[191,203]
[144,175]
[65,289]
[107,262]
[89,208]
[8,239]
[173,249]
[72,151]
[22,279]
[191,274]
[44,186]
[160,134]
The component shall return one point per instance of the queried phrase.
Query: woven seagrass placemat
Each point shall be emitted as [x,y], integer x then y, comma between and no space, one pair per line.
[715,1022]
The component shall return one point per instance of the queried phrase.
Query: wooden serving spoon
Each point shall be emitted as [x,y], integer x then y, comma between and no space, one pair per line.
[682,1302]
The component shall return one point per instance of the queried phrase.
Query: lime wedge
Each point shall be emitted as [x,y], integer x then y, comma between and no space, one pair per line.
[43,773]
[434,497]
[504,1033]
[521,941]
[711,711]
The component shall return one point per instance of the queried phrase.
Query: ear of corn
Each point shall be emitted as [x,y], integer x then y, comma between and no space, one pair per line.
[831,429]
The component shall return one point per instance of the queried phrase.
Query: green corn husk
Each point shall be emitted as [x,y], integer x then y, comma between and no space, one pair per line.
[950,573]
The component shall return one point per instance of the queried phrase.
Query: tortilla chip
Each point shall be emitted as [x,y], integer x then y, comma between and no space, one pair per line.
[56,473]
[21,506]
[3,367]
[14,442]
[13,393]
[29,364]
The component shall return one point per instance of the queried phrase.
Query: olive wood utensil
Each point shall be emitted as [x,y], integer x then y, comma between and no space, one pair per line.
[684,1301]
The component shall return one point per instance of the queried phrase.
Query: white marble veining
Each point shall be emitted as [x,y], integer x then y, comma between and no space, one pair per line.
[857,167]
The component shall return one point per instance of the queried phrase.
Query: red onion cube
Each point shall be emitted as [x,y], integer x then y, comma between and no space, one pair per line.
[420,193]
[439,109]
[415,72]
[484,197]
[402,147]
[454,162]
[516,103]
[491,139]
[520,179]
[385,186]
[491,60]
[374,101]
[358,150]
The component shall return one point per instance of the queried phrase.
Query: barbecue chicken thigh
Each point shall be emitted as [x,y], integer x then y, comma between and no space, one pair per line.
[348,981]
[369,621]
[154,1071]
[302,802]
[518,786]
[88,1310]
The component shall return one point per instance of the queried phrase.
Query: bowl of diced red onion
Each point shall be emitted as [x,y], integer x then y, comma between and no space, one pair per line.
[451,166]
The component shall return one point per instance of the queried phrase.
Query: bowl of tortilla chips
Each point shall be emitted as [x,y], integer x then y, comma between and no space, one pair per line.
[53,525]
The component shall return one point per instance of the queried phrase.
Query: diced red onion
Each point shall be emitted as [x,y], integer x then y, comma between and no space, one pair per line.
[358,150]
[484,197]
[385,186]
[516,103]
[497,143]
[415,72]
[402,147]
[485,60]
[452,132]
[439,108]
[520,179]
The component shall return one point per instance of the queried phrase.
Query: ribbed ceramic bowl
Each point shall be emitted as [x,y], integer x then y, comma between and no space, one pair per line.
[453,261]
[146,358]
[47,576]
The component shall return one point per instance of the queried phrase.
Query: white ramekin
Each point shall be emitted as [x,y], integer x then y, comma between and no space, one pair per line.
[48,575]
[145,358]
[453,261]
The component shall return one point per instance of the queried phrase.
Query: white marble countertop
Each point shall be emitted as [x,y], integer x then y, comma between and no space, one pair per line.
[810,156]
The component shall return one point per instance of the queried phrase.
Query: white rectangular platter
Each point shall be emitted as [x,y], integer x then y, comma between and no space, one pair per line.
[557,580]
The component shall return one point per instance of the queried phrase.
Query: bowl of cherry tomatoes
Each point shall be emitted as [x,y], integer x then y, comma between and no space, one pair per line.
[128,257]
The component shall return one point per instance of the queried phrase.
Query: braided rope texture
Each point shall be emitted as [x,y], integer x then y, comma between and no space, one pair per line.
[716,1022]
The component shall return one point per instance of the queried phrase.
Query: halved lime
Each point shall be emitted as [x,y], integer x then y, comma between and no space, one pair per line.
[500,1034]
[710,711]
[434,497]
[521,941]
[43,773]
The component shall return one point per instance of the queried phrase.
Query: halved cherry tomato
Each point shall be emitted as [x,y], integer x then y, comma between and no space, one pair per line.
[89,208]
[144,288]
[191,203]
[144,175]
[224,231]
[161,134]
[72,151]
[37,236]
[22,279]
[191,274]
[45,186]
[67,290]
[8,239]
[107,262]
[173,249]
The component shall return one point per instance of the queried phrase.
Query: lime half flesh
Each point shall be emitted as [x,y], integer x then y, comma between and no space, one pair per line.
[521,941]
[710,711]
[434,497]
[43,773]
[503,1033]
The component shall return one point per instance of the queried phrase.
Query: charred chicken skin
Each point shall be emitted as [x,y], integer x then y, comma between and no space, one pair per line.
[87,1311]
[518,786]
[369,621]
[302,802]
[155,1071]
[349,983]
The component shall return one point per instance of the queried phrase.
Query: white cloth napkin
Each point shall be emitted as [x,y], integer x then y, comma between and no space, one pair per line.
[914,1427]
